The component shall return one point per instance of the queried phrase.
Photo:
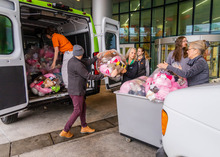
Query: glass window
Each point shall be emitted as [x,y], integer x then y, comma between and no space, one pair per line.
[6,36]
[185,18]
[145,4]
[157,23]
[124,7]
[121,50]
[115,8]
[154,57]
[146,47]
[170,1]
[115,17]
[110,41]
[134,27]
[158,2]
[170,20]
[212,59]
[202,15]
[215,17]
[136,46]
[145,28]
[134,5]
[124,25]
[88,10]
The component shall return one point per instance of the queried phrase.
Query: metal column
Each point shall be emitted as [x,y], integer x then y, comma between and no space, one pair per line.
[100,9]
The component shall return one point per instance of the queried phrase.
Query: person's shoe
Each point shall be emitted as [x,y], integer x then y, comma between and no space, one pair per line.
[66,134]
[87,130]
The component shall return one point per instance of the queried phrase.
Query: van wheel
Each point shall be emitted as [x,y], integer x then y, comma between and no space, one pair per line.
[10,119]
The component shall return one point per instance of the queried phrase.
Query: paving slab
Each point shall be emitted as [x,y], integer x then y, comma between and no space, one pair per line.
[3,138]
[31,143]
[113,120]
[57,139]
[98,126]
[108,143]
[5,150]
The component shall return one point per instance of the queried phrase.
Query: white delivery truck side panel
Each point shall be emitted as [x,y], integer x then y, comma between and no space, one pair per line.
[20,21]
[13,82]
[110,40]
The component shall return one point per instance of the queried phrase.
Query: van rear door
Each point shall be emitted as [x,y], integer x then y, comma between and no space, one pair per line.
[110,40]
[13,91]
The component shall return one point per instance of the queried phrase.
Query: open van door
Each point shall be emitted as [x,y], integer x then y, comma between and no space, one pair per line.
[13,91]
[110,40]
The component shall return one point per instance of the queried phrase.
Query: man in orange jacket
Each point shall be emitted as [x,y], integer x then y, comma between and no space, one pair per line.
[62,44]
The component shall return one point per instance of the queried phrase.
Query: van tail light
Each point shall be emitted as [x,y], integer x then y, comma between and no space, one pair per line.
[95,64]
[164,121]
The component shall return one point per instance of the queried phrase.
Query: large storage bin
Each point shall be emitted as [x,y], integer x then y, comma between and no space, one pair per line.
[139,118]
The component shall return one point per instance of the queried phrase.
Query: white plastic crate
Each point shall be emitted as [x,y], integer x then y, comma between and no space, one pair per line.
[139,118]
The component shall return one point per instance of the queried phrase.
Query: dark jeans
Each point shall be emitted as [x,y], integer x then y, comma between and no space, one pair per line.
[79,105]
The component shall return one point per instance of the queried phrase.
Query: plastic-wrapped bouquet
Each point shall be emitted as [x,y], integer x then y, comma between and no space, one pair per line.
[135,86]
[162,82]
[111,63]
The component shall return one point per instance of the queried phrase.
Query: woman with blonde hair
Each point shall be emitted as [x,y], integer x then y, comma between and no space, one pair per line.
[132,65]
[143,62]
[198,72]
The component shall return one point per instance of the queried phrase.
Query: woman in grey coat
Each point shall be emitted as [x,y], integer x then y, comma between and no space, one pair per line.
[179,57]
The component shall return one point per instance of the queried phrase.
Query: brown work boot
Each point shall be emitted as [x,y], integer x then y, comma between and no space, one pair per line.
[87,130]
[66,134]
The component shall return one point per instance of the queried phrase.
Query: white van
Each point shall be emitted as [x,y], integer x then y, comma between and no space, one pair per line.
[23,23]
[190,122]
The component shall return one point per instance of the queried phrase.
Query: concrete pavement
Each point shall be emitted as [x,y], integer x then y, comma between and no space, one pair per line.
[36,132]
[108,143]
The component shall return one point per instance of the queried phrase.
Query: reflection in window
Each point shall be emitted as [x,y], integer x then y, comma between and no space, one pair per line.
[115,8]
[202,14]
[185,18]
[121,51]
[157,3]
[88,10]
[157,23]
[124,21]
[115,17]
[170,1]
[170,20]
[136,46]
[110,41]
[134,27]
[154,57]
[124,7]
[216,17]
[134,5]
[146,47]
[213,59]
[145,4]
[163,52]
[6,37]
[145,26]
